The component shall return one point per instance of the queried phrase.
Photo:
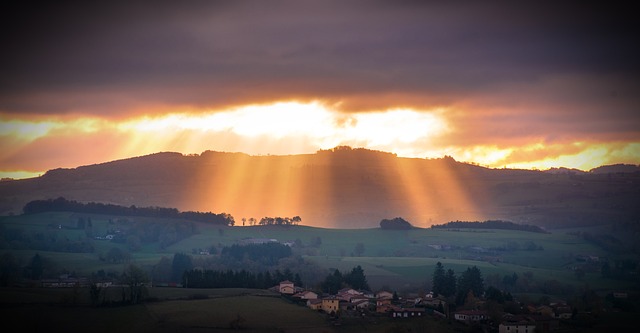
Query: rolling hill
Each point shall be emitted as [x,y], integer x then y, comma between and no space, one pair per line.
[343,188]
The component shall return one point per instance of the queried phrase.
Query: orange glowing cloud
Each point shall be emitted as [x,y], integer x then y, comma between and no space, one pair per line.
[515,85]
[33,146]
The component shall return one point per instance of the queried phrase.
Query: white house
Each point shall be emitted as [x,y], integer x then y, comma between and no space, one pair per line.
[517,324]
[470,315]
[306,295]
[286,287]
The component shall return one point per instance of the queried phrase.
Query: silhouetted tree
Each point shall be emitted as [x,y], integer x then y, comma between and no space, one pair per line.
[470,280]
[181,263]
[135,278]
[397,223]
[443,282]
[356,279]
[162,271]
[62,204]
[450,283]
[333,282]
[493,294]
[438,279]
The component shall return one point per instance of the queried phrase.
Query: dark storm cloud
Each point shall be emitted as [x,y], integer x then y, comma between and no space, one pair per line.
[110,58]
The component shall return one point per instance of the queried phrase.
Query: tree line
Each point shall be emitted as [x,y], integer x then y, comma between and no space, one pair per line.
[338,280]
[196,278]
[490,224]
[397,223]
[280,221]
[267,254]
[61,204]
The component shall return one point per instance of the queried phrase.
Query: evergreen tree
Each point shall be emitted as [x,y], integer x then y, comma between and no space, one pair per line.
[181,263]
[356,279]
[470,280]
[450,283]
[333,282]
[438,280]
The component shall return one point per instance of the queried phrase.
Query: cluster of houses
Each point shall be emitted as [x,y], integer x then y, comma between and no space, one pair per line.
[349,299]
[539,319]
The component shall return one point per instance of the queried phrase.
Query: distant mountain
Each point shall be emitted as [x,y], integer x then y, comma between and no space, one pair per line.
[340,187]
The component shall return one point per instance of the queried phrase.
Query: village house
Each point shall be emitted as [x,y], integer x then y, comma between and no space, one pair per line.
[361,304]
[286,287]
[347,294]
[470,315]
[398,312]
[314,304]
[359,298]
[517,324]
[330,304]
[383,305]
[434,302]
[349,291]
[384,294]
[306,295]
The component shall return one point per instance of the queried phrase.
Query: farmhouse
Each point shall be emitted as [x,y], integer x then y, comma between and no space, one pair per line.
[330,304]
[470,315]
[397,312]
[434,302]
[306,295]
[383,305]
[314,304]
[361,304]
[517,324]
[347,294]
[359,298]
[286,287]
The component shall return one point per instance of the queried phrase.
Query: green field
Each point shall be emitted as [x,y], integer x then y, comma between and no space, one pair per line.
[397,259]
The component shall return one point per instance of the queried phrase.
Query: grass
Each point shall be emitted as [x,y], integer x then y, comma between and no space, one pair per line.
[396,258]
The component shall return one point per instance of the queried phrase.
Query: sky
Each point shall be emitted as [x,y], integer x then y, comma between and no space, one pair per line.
[523,84]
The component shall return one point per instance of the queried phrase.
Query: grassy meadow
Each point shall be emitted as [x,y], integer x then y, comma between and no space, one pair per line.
[397,259]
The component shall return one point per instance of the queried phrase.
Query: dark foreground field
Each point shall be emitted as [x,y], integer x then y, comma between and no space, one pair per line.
[188,310]
[219,310]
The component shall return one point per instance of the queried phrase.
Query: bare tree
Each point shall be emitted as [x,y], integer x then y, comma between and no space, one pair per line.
[136,278]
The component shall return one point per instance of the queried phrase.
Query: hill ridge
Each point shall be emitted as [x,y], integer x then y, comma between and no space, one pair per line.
[340,187]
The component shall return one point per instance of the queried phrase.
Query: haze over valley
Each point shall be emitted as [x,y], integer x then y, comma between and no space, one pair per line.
[343,188]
